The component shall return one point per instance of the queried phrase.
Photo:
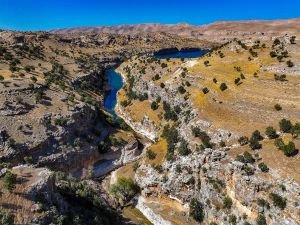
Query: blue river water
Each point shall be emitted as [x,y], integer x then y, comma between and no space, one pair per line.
[115,80]
[181,54]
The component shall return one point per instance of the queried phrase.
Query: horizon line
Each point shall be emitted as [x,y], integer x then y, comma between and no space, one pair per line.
[149,23]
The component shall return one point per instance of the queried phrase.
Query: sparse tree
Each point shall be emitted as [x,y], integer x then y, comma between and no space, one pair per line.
[278,201]
[290,63]
[285,126]
[271,133]
[227,202]
[196,210]
[9,181]
[223,87]
[263,167]
[277,107]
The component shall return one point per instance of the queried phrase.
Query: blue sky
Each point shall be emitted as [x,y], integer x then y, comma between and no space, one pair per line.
[51,14]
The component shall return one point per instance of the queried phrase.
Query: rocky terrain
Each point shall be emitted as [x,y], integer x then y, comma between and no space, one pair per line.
[210,140]
[210,119]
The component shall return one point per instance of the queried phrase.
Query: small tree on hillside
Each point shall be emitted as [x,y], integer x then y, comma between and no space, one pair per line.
[285,125]
[196,210]
[9,181]
[271,133]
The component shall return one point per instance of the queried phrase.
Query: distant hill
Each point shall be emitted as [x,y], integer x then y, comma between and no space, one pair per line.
[184,29]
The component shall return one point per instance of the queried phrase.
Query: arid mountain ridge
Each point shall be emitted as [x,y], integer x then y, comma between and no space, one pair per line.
[188,30]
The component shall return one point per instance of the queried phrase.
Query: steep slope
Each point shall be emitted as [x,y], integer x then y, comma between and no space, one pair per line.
[202,108]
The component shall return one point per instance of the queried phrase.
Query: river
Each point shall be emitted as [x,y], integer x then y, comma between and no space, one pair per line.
[115,80]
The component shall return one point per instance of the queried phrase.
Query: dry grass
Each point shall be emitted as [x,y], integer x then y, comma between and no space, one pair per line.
[160,149]
[170,210]
[126,171]
[135,215]
[287,167]
[248,106]
[139,109]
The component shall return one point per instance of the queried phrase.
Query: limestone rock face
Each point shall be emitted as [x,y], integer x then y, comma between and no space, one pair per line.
[117,156]
[209,177]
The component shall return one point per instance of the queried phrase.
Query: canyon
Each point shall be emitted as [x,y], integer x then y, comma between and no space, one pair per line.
[202,129]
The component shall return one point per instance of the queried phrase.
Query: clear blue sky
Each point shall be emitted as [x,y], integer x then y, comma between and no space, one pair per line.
[51,14]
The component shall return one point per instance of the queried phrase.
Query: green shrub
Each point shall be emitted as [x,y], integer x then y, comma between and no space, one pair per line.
[196,210]
[296,130]
[232,219]
[263,167]
[171,135]
[181,90]
[263,203]
[279,143]
[290,63]
[261,220]
[156,77]
[280,77]
[285,126]
[289,149]
[150,154]
[206,63]
[243,140]
[248,170]
[183,148]
[164,65]
[237,81]
[124,189]
[205,90]
[178,168]
[271,133]
[203,137]
[293,40]
[223,87]
[277,107]
[278,201]
[170,114]
[254,143]
[256,135]
[248,157]
[154,105]
[227,202]
[9,181]
[125,103]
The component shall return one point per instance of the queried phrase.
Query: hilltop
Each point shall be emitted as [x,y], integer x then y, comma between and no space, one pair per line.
[221,28]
